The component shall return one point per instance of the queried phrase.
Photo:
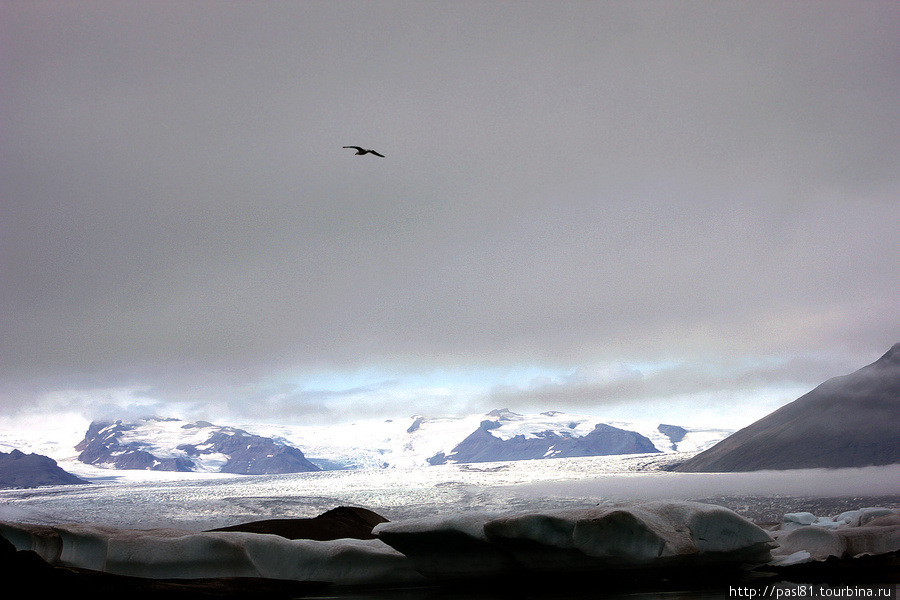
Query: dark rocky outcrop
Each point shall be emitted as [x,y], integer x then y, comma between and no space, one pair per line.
[20,470]
[415,425]
[337,523]
[848,421]
[675,433]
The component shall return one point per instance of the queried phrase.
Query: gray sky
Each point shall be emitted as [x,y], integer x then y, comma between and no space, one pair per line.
[623,207]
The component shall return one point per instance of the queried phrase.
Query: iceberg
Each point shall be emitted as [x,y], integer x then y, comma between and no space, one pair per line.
[449,547]
[863,516]
[804,537]
[178,554]
[648,535]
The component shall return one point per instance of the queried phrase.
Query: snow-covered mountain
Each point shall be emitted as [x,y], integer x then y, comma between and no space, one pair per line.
[173,445]
[495,436]
[160,444]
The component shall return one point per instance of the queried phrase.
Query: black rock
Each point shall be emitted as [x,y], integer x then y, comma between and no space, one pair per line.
[337,523]
[848,421]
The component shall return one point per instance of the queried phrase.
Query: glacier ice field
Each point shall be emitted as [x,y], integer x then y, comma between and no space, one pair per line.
[144,499]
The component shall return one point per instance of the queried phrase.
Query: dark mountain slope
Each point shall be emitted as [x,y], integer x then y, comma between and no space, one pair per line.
[848,421]
[20,470]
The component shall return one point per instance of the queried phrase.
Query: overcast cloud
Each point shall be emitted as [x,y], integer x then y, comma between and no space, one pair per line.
[583,205]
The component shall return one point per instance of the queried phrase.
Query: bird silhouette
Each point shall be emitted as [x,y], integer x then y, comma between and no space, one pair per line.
[364,151]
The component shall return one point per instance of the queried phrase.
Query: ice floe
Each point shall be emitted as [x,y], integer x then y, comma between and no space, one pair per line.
[803,537]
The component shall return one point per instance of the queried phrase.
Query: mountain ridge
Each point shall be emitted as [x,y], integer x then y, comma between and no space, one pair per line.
[847,421]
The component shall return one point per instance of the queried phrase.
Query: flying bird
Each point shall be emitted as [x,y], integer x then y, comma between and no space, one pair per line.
[364,151]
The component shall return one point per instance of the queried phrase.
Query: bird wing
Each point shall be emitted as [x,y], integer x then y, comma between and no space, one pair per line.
[376,154]
[355,148]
